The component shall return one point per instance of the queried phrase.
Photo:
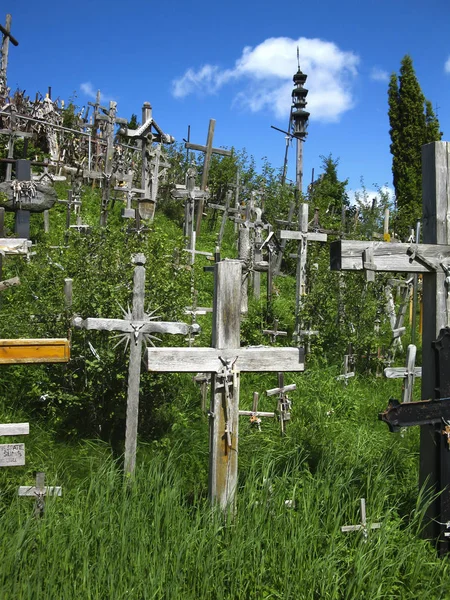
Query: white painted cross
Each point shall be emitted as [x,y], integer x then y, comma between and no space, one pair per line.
[363,526]
[408,374]
[225,360]
[39,492]
[136,327]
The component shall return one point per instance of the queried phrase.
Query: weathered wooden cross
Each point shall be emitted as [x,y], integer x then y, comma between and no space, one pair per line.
[432,259]
[255,414]
[284,404]
[303,237]
[70,203]
[39,492]
[208,150]
[225,360]
[7,37]
[363,525]
[136,327]
[408,374]
[274,333]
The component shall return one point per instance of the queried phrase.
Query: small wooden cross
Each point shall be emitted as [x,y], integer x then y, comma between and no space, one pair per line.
[363,525]
[348,372]
[255,414]
[70,202]
[13,455]
[284,404]
[39,492]
[274,333]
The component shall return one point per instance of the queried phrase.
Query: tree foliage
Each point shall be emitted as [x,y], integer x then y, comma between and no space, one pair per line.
[413,123]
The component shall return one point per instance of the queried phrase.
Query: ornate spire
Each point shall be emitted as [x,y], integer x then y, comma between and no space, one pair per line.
[299,114]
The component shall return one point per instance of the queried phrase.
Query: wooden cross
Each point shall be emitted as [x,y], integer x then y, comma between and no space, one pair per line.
[225,209]
[7,37]
[284,404]
[189,193]
[255,414]
[363,525]
[208,151]
[70,202]
[408,374]
[283,242]
[274,333]
[348,365]
[430,258]
[303,238]
[135,328]
[225,360]
[39,492]
[13,455]
[396,320]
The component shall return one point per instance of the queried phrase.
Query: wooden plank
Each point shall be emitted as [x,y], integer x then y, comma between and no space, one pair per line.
[200,148]
[14,429]
[347,255]
[14,246]
[32,491]
[7,283]
[12,455]
[251,359]
[399,372]
[287,388]
[132,326]
[299,235]
[34,351]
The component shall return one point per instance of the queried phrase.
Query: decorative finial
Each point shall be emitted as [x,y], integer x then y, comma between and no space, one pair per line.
[298,58]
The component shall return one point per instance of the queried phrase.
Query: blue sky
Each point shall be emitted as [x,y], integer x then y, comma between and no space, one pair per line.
[234,61]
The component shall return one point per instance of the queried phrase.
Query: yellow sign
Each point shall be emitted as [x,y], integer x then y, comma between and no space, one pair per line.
[387,237]
[15,352]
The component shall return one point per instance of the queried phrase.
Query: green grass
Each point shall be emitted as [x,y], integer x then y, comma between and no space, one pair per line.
[157,537]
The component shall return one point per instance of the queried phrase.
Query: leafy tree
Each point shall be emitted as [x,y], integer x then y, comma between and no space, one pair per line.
[328,194]
[412,124]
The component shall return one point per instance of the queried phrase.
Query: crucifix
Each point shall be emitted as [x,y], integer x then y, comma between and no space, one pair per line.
[7,37]
[70,202]
[303,237]
[255,414]
[431,258]
[208,150]
[226,360]
[39,492]
[135,328]
[284,404]
[189,193]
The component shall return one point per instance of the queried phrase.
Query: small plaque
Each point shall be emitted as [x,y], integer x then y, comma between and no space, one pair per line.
[12,455]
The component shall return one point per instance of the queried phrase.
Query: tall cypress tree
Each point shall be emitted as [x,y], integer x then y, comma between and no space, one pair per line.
[412,124]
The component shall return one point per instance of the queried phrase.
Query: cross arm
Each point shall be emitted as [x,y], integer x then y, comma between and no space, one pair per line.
[252,359]
[7,33]
[348,255]
[408,414]
[130,326]
[299,235]
[200,148]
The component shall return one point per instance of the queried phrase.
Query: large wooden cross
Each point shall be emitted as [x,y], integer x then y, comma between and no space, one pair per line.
[225,361]
[137,328]
[208,151]
[303,237]
[432,259]
[7,37]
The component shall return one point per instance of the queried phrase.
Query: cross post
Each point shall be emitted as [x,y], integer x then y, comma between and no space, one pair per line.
[7,37]
[226,360]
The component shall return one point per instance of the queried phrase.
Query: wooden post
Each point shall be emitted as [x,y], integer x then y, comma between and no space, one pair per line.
[434,456]
[68,293]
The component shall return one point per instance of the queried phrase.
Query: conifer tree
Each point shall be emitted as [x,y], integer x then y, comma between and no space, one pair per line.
[412,124]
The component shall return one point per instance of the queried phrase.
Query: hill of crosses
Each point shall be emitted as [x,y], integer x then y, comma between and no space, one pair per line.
[166,309]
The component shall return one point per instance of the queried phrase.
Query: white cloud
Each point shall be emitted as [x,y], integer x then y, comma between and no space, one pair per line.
[378,74]
[366,195]
[266,74]
[447,65]
[88,90]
